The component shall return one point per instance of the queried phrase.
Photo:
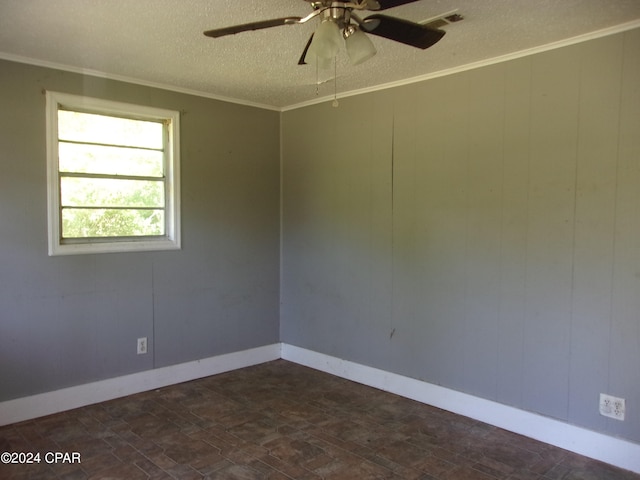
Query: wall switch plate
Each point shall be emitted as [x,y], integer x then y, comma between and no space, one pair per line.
[142,345]
[612,407]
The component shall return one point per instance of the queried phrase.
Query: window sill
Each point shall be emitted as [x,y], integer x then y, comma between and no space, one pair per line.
[113,247]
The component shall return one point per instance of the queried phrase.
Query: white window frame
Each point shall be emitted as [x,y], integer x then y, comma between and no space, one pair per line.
[170,118]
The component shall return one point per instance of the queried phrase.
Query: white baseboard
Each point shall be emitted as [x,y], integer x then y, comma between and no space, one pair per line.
[34,406]
[614,451]
[611,450]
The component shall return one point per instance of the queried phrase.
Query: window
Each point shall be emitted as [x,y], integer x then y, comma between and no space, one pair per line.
[113,176]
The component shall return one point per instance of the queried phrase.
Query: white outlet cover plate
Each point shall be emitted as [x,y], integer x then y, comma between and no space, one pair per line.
[612,407]
[142,345]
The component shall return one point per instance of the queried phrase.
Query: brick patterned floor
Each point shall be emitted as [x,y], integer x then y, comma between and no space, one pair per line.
[281,421]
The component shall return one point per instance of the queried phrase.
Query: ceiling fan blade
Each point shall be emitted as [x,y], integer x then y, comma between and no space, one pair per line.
[403,31]
[245,27]
[302,60]
[384,4]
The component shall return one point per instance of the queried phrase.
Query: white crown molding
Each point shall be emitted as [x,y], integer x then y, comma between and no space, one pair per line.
[471,66]
[611,450]
[136,81]
[503,58]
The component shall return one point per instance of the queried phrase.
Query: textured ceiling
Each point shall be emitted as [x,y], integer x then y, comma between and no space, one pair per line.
[160,42]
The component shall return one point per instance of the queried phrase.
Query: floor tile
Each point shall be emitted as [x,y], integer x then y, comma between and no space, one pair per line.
[282,421]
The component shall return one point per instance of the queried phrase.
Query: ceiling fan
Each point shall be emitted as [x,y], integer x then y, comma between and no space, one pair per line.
[339,21]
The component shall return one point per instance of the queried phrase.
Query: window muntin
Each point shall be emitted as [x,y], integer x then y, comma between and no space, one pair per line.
[113,176]
[108,160]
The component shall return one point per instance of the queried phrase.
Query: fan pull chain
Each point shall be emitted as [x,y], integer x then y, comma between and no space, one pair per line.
[335,83]
[317,77]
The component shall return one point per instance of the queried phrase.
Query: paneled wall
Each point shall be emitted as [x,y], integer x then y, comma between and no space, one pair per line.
[479,231]
[70,320]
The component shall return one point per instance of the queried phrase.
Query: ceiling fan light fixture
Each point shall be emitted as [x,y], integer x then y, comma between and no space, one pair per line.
[359,47]
[326,40]
[340,22]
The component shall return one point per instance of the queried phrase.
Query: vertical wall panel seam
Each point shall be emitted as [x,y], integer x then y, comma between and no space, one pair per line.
[525,303]
[281,224]
[467,220]
[153,318]
[615,211]
[502,228]
[393,223]
[574,230]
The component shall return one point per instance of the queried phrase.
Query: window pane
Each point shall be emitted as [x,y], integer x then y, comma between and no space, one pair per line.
[93,128]
[87,223]
[110,192]
[81,158]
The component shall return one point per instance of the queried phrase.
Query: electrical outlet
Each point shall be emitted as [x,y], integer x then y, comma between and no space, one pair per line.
[612,407]
[142,345]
